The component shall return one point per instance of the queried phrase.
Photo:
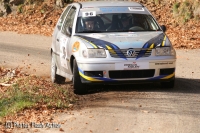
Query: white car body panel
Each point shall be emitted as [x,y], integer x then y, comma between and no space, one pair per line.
[116,45]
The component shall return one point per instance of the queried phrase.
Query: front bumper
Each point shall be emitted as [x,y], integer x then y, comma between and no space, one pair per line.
[129,71]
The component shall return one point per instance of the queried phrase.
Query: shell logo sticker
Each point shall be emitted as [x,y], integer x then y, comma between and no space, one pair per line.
[75,47]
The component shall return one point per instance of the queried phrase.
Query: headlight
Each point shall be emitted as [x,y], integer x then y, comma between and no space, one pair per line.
[94,53]
[162,51]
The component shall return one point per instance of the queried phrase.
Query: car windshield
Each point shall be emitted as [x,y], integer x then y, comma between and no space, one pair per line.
[116,22]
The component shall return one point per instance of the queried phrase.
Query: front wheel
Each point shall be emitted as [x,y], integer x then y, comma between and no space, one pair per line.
[79,87]
[54,77]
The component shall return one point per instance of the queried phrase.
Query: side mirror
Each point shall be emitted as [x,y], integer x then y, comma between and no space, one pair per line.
[163,27]
[59,27]
[59,24]
[68,31]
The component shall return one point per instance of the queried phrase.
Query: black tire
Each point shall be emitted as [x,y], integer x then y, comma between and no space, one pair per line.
[79,87]
[169,84]
[54,77]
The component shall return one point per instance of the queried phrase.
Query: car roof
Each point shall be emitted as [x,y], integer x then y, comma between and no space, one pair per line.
[109,3]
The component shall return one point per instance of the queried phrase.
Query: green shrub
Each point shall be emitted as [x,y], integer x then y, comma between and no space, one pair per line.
[30,93]
[184,11]
[20,8]
[16,101]
[175,8]
[157,2]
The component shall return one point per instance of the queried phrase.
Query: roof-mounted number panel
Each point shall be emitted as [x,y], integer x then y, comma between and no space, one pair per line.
[89,14]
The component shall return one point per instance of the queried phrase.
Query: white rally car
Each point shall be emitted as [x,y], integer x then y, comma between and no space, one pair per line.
[110,42]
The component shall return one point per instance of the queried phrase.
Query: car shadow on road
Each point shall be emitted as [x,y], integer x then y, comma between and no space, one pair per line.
[182,85]
[182,99]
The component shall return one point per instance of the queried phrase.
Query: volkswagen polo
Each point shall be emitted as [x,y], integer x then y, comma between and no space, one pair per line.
[108,43]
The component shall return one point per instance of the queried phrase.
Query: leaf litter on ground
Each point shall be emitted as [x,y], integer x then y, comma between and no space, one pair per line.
[30,98]
[33,21]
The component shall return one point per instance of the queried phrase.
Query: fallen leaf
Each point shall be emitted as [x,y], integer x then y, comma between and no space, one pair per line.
[70,105]
[144,111]
[36,130]
[91,116]
[61,130]
[3,84]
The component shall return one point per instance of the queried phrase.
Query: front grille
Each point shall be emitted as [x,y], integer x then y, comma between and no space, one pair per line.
[167,71]
[139,52]
[120,74]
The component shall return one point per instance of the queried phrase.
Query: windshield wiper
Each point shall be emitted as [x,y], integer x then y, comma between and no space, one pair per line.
[144,30]
[126,30]
[90,31]
[135,30]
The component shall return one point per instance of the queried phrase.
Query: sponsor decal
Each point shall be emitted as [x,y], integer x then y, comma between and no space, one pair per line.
[113,9]
[131,65]
[167,64]
[75,47]
[63,51]
[135,9]
[164,63]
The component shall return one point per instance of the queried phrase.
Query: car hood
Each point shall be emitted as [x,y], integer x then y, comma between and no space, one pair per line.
[124,40]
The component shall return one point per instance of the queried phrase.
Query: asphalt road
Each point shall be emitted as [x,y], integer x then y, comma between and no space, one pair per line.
[29,52]
[139,108]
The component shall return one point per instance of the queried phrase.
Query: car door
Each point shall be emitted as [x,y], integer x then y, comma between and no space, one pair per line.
[57,29]
[64,40]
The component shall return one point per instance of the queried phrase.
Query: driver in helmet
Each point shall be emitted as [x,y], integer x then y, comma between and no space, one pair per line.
[89,23]
[125,21]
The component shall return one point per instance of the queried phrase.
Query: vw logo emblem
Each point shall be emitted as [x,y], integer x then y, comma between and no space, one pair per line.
[131,53]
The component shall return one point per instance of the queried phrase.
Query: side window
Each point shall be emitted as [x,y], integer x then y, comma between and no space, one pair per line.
[152,23]
[69,20]
[60,21]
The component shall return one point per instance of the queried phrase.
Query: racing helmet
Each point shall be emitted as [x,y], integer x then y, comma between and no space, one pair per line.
[86,19]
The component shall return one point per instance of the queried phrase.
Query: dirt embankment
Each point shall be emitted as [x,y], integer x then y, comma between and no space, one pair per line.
[41,19]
